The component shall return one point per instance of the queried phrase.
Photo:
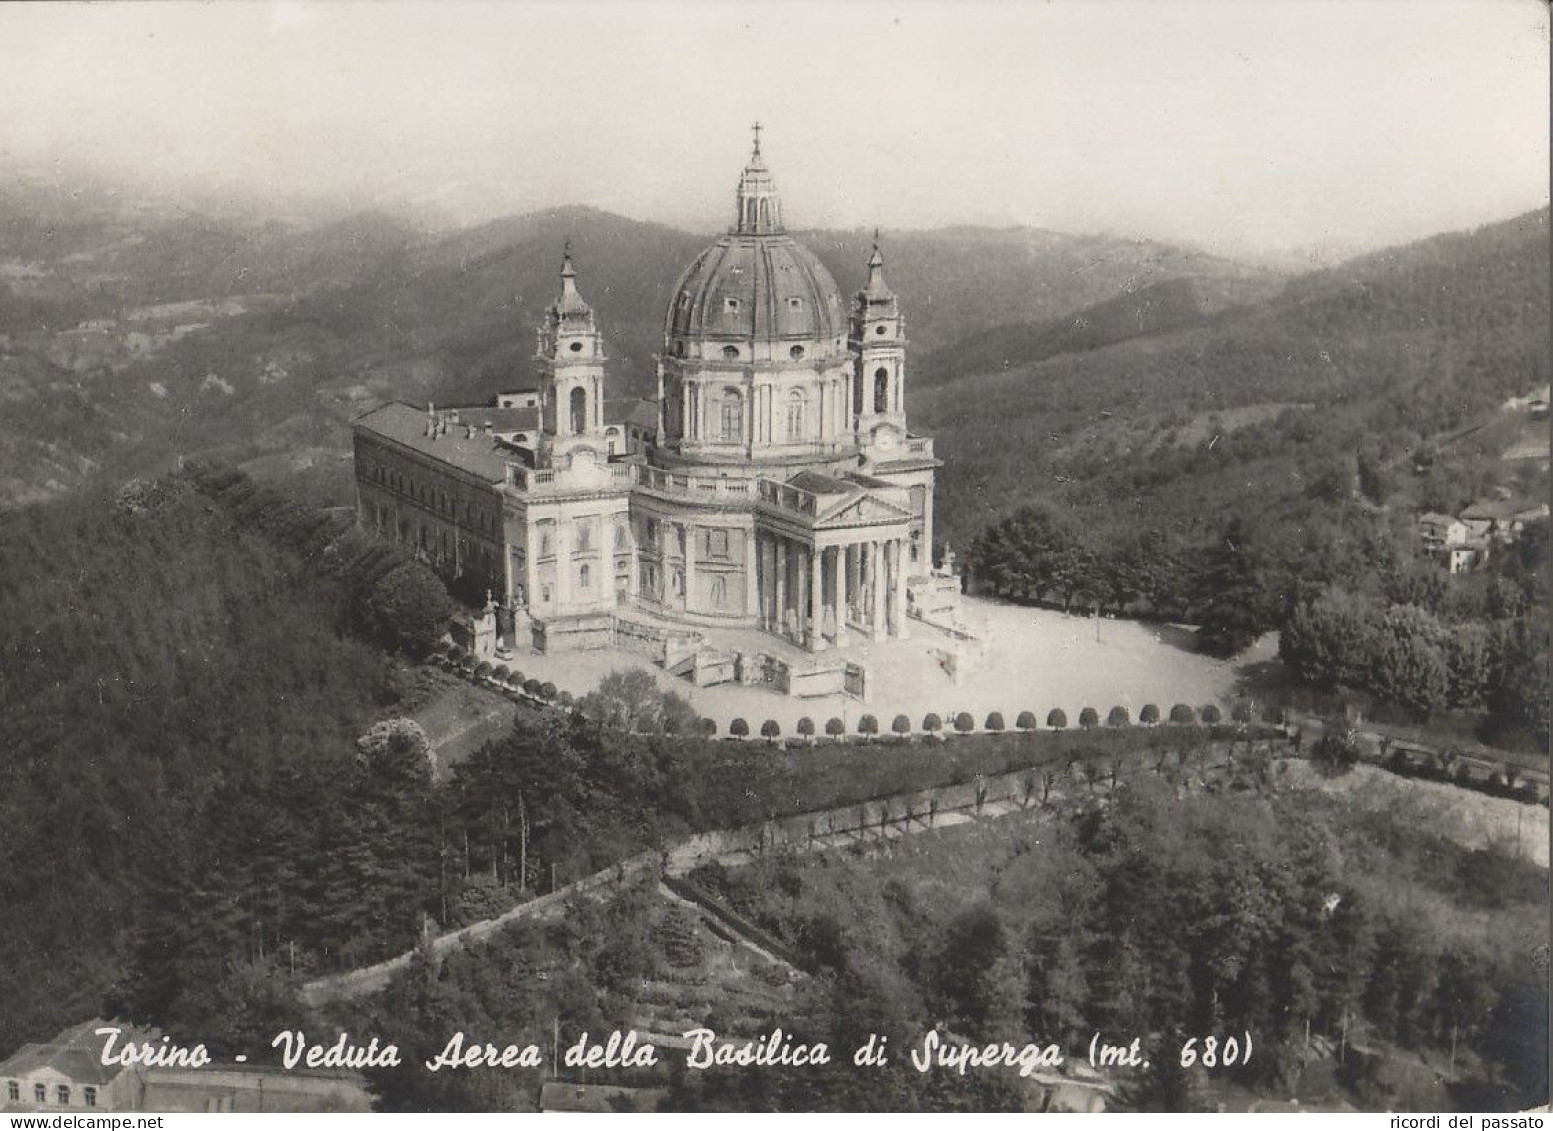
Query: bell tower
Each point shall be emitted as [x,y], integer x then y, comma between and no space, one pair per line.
[877,338]
[571,359]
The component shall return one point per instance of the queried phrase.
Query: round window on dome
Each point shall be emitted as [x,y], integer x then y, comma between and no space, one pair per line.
[576,347]
[795,353]
[879,329]
[731,352]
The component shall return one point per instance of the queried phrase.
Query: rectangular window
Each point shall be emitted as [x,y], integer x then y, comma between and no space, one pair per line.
[13,1091]
[40,1093]
[62,1094]
[732,421]
[91,1096]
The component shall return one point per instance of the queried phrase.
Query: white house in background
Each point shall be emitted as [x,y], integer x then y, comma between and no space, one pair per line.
[1501,520]
[67,1074]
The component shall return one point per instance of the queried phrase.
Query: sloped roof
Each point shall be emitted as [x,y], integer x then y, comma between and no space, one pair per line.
[821,484]
[556,1095]
[75,1054]
[479,455]
[632,410]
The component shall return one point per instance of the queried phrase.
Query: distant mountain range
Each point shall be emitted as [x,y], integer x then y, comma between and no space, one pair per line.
[262,340]
[1104,406]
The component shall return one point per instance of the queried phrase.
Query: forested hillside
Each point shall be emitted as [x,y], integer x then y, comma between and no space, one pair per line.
[128,335]
[1247,410]
[181,683]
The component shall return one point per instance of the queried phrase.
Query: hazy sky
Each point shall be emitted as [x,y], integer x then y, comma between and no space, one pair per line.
[1235,123]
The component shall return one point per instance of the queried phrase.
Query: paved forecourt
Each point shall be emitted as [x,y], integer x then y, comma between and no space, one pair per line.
[1025,659]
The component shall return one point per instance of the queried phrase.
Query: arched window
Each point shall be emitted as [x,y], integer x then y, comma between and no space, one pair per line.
[719,593]
[579,411]
[795,416]
[881,389]
[584,577]
[731,352]
[732,417]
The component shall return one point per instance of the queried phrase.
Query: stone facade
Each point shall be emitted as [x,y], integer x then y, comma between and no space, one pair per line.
[772,485]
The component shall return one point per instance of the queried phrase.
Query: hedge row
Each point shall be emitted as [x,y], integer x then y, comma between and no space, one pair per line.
[544,693]
[964,722]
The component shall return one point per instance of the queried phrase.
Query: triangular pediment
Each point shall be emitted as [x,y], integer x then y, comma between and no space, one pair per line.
[866,509]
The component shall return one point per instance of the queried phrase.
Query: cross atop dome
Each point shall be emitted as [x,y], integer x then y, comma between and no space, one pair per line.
[755,129]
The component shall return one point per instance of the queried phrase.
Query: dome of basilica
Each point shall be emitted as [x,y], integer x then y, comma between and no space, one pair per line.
[756,285]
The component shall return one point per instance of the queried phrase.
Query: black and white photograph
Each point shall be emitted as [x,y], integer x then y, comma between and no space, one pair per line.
[774,557]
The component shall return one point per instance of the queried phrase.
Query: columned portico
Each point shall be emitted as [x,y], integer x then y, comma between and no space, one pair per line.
[817,589]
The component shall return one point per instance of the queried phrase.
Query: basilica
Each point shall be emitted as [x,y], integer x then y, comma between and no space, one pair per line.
[773,486]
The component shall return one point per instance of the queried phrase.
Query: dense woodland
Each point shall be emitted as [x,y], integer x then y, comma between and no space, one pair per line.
[208,794]
[185,668]
[1356,949]
[1268,471]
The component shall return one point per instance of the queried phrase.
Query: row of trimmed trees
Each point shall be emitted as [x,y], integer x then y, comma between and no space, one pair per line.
[868,726]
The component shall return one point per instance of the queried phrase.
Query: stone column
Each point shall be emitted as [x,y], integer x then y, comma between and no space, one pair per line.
[634,579]
[838,593]
[690,562]
[854,579]
[779,553]
[925,566]
[876,572]
[815,638]
[563,564]
[898,589]
[751,574]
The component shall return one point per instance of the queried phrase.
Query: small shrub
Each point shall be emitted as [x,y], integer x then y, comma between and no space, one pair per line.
[1026,721]
[964,723]
[1089,718]
[565,698]
[708,727]
[482,669]
[1183,714]
[1057,719]
[739,728]
[1149,716]
[501,672]
[1242,712]
[994,722]
[901,725]
[1212,715]
[835,727]
[1118,717]
[532,686]
[547,690]
[770,730]
[806,727]
[867,725]
[1334,754]
[931,723]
